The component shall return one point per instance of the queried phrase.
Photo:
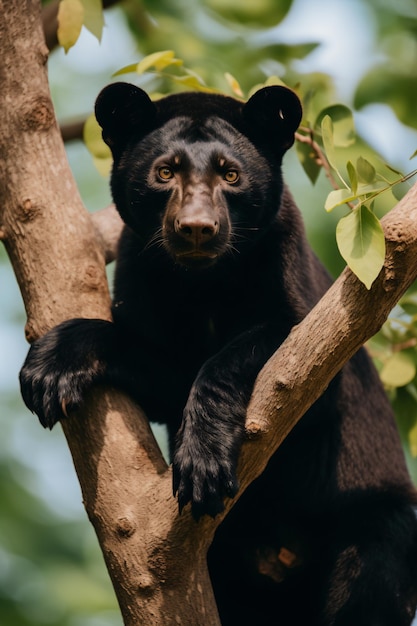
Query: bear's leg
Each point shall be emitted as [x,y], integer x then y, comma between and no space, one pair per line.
[372,565]
[356,566]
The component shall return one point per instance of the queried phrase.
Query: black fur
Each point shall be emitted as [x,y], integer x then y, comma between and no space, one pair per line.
[213,271]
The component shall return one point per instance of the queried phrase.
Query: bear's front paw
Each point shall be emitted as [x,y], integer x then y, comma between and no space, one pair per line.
[48,389]
[56,373]
[203,478]
[205,460]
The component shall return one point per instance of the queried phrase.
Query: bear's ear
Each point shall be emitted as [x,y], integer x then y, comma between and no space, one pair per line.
[123,110]
[273,114]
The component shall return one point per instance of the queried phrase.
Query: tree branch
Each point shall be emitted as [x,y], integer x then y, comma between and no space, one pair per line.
[319,157]
[108,224]
[72,131]
[154,557]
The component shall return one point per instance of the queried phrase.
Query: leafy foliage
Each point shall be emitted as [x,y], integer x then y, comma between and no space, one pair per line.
[393,80]
[361,243]
[165,60]
[100,151]
[73,15]
[394,350]
[261,13]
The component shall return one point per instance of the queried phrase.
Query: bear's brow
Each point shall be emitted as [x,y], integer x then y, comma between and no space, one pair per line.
[193,130]
[183,154]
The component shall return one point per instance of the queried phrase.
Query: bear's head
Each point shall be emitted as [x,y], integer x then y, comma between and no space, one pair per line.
[198,173]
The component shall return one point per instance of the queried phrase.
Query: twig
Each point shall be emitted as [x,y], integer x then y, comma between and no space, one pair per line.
[319,156]
[71,131]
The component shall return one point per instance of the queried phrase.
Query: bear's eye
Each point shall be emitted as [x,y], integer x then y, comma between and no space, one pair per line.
[231,176]
[165,173]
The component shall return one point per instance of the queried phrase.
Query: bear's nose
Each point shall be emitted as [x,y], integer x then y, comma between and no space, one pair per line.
[197,229]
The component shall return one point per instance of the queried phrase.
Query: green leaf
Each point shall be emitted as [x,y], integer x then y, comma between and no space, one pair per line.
[410,308]
[127,69]
[366,171]
[234,85]
[265,13]
[412,438]
[344,134]
[70,21]
[398,370]
[327,134]
[158,61]
[412,156]
[93,17]
[392,169]
[100,151]
[192,81]
[412,391]
[353,177]
[389,86]
[409,303]
[274,80]
[338,197]
[361,242]
[308,160]
[285,53]
[271,80]
[376,186]
[328,142]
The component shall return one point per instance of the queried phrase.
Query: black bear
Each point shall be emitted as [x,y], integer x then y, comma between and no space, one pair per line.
[213,271]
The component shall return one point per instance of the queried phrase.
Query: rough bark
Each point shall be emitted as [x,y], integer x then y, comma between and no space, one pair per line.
[156,559]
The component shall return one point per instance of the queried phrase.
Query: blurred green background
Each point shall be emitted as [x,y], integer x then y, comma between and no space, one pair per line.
[359,52]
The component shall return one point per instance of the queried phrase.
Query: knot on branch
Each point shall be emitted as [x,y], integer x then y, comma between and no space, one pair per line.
[43,53]
[146,585]
[28,210]
[38,114]
[30,332]
[254,428]
[125,527]
[391,278]
[398,234]
[92,276]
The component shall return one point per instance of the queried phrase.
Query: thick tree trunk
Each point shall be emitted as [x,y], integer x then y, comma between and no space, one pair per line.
[155,558]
